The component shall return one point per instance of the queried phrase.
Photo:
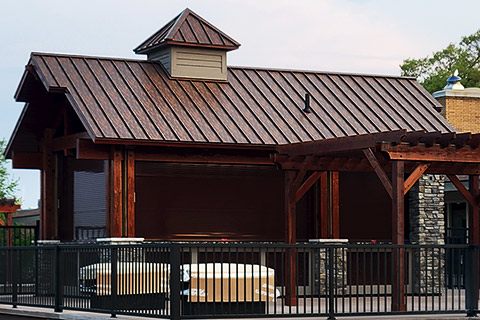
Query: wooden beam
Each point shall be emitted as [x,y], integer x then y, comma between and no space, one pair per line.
[415,175]
[436,153]
[86,149]
[4,208]
[69,141]
[474,225]
[26,160]
[372,159]
[116,210]
[195,158]
[398,236]
[130,173]
[307,185]
[335,145]
[461,188]
[298,180]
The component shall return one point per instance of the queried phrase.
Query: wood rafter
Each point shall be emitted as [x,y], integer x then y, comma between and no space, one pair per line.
[330,146]
[449,154]
[307,185]
[69,141]
[414,176]
[382,175]
[471,199]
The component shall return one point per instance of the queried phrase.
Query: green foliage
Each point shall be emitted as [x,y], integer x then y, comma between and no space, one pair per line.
[432,72]
[8,186]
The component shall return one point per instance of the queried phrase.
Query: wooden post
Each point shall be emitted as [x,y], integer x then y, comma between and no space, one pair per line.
[473,217]
[8,219]
[115,193]
[130,176]
[323,205]
[329,205]
[290,238]
[334,205]
[47,186]
[398,236]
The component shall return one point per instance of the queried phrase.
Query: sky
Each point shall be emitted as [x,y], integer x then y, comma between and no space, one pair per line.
[364,36]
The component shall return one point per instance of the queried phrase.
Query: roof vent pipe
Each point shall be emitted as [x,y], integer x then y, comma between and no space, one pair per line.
[307,108]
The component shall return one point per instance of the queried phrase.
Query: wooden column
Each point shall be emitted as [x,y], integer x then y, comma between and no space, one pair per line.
[290,238]
[115,193]
[398,236]
[130,192]
[47,221]
[329,206]
[323,205]
[473,216]
[334,205]
[8,218]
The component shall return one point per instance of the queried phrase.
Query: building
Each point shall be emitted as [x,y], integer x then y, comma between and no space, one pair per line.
[182,147]
[179,146]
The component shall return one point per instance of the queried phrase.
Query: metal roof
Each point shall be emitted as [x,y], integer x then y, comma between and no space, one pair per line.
[136,100]
[188,28]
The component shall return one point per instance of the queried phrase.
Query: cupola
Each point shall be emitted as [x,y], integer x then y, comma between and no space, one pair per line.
[190,47]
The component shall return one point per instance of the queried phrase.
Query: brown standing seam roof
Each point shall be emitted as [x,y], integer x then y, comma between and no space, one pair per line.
[188,28]
[137,100]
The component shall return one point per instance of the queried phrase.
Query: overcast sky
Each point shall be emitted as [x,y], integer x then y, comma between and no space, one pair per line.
[365,36]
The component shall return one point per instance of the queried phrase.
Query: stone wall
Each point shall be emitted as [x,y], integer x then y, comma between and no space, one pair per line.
[427,226]
[321,265]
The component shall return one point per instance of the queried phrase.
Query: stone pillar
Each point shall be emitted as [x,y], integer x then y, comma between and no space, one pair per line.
[427,226]
[124,253]
[320,272]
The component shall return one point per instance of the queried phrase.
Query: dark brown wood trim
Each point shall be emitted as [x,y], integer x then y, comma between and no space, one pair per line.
[415,175]
[381,174]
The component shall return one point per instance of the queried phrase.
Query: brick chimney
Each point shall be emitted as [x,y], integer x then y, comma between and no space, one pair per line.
[460,106]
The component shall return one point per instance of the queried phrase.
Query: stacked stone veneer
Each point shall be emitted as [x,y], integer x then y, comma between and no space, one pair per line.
[427,226]
[321,262]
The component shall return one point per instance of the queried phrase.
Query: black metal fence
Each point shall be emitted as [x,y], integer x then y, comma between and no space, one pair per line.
[18,236]
[202,280]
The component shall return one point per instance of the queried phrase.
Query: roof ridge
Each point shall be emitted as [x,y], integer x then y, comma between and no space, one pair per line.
[278,69]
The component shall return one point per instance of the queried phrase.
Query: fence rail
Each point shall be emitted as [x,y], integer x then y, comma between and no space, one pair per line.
[18,236]
[202,280]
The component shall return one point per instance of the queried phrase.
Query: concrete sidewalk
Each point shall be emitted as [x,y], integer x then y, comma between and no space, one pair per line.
[24,313]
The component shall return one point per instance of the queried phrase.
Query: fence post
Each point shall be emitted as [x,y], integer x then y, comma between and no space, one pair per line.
[58,279]
[471,280]
[14,278]
[331,284]
[114,281]
[175,282]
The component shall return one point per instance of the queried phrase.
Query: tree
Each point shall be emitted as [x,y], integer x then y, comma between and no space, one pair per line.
[8,185]
[432,72]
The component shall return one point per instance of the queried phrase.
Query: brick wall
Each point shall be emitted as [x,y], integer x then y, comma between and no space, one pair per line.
[462,112]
